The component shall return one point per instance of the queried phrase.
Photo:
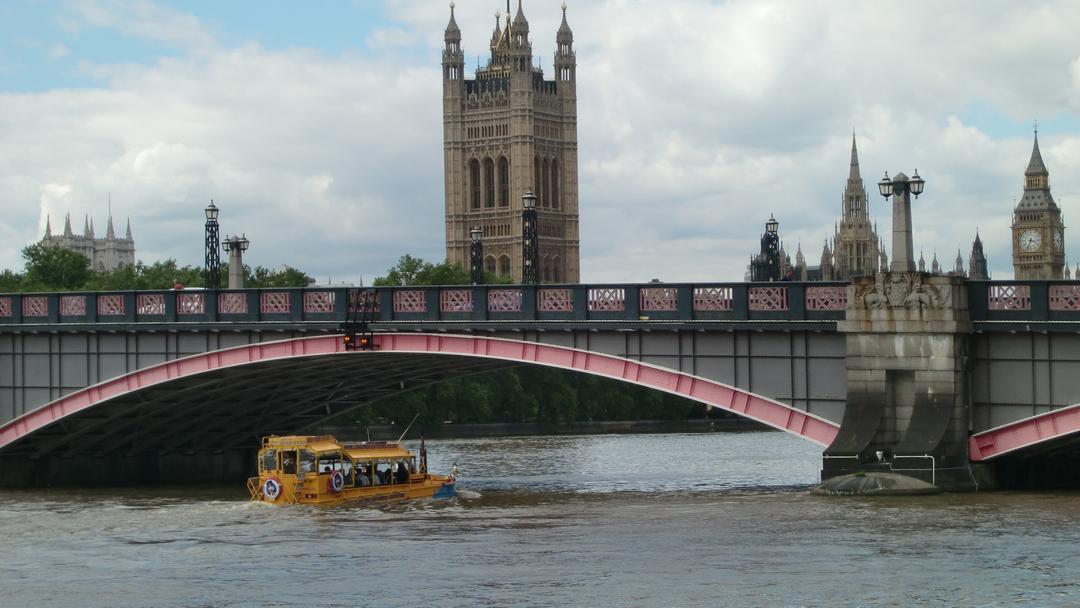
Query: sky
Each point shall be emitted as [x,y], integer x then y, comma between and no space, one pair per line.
[316,127]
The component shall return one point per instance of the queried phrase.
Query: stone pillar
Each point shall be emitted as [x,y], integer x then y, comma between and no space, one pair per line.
[907,405]
[236,268]
[903,252]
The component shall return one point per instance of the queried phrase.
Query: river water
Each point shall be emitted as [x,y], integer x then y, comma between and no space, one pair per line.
[720,519]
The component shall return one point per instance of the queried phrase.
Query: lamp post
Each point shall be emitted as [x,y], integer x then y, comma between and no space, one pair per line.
[903,259]
[236,246]
[530,248]
[476,258]
[772,254]
[766,265]
[212,267]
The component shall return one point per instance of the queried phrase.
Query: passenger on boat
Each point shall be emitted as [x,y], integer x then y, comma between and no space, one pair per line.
[402,474]
[384,476]
[362,478]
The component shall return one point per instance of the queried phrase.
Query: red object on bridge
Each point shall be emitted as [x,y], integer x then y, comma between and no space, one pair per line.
[767,411]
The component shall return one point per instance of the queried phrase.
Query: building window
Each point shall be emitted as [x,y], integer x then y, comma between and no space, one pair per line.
[504,182]
[489,264]
[544,177]
[504,265]
[555,183]
[474,183]
[489,183]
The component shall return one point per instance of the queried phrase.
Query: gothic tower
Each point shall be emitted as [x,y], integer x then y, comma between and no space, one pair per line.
[977,261]
[1038,233]
[506,131]
[856,244]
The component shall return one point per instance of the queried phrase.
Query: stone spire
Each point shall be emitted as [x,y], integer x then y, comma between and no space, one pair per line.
[48,226]
[1036,165]
[521,24]
[453,32]
[564,34]
[959,266]
[977,262]
[109,232]
[67,225]
[88,231]
[127,235]
[935,268]
[922,262]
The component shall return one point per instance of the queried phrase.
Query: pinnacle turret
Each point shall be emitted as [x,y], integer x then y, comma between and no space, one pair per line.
[853,172]
[564,34]
[127,234]
[88,230]
[1036,165]
[48,226]
[109,232]
[453,32]
[67,225]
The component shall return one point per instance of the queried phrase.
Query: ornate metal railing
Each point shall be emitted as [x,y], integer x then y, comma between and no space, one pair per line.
[625,302]
[990,301]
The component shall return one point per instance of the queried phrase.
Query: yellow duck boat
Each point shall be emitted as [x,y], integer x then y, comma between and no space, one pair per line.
[321,470]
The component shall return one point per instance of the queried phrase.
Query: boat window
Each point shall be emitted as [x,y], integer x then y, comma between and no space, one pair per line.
[330,462]
[307,461]
[382,474]
[288,462]
[269,460]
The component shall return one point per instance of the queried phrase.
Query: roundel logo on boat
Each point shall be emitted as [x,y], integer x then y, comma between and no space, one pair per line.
[271,489]
[337,482]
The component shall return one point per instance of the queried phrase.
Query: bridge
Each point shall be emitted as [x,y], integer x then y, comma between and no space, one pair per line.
[963,383]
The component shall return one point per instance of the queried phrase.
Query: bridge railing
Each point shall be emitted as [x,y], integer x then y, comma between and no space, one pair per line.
[1024,301]
[607,302]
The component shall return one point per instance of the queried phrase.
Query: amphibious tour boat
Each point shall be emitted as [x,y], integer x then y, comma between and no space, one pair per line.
[321,470]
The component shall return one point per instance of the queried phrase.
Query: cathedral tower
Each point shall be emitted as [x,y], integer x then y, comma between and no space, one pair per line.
[856,244]
[506,131]
[1038,233]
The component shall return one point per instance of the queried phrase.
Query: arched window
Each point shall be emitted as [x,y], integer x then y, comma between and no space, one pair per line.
[544,177]
[474,182]
[537,183]
[555,184]
[556,270]
[545,270]
[489,264]
[504,265]
[489,183]
[504,182]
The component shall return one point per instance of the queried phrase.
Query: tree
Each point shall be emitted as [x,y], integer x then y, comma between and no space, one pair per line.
[287,276]
[54,269]
[415,271]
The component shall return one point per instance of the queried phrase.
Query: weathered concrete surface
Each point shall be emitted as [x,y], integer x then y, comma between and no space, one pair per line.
[874,484]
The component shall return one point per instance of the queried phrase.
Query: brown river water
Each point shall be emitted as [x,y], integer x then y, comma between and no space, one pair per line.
[721,519]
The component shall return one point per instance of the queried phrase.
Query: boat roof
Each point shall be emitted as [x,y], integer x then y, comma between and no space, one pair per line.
[321,444]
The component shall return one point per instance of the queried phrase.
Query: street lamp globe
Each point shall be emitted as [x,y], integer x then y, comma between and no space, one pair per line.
[528,200]
[476,233]
[211,211]
[916,184]
[885,186]
[244,243]
[772,226]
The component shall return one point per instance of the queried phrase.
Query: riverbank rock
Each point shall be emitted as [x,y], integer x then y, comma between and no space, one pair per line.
[874,484]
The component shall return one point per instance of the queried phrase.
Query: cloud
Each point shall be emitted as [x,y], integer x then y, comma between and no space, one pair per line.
[142,19]
[696,121]
[58,51]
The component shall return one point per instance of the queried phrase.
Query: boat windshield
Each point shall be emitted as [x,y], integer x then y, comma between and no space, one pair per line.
[268,461]
[307,461]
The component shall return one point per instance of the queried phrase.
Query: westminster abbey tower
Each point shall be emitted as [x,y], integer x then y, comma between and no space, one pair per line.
[507,131]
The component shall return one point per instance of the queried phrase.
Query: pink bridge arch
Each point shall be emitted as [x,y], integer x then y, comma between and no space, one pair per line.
[1025,433]
[762,409]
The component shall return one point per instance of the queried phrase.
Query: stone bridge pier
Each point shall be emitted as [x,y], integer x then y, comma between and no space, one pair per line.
[908,408]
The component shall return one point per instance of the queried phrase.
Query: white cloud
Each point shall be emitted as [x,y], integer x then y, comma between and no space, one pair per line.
[696,120]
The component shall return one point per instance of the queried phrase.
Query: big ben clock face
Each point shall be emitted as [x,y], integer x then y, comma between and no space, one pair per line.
[1059,242]
[1030,240]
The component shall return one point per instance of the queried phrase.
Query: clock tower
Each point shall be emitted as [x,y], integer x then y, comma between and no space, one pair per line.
[1038,234]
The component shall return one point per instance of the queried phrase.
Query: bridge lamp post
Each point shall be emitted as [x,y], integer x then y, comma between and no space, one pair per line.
[212,267]
[903,259]
[236,246]
[772,228]
[530,252]
[476,258]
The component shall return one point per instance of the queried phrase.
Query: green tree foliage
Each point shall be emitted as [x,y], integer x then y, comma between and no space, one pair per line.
[54,269]
[415,271]
[285,277]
